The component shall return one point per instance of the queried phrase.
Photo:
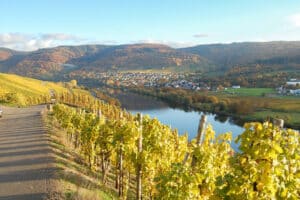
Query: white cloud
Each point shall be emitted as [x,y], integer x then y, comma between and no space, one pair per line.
[174,44]
[294,19]
[29,42]
[200,35]
[102,42]
[59,36]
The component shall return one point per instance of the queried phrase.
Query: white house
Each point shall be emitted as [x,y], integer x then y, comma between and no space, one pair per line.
[236,86]
[295,92]
[293,82]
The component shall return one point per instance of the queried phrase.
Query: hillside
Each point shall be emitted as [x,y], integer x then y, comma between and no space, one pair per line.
[17,90]
[55,63]
[52,62]
[6,53]
[140,56]
[10,83]
[226,56]
[44,62]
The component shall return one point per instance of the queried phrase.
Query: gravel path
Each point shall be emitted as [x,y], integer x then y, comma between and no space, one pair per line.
[26,168]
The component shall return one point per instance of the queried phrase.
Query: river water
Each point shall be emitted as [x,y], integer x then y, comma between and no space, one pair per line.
[183,121]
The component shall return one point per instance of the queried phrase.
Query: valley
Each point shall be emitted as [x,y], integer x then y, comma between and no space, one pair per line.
[149,100]
[90,137]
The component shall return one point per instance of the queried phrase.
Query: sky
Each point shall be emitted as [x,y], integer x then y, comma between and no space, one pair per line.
[33,24]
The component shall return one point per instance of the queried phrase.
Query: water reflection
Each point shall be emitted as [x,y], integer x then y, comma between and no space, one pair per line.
[221,118]
[183,121]
[132,101]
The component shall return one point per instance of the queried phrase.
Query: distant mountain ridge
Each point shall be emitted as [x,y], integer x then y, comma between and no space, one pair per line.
[245,53]
[51,62]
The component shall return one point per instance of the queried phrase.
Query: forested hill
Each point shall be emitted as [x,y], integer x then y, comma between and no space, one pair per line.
[49,62]
[247,53]
[53,63]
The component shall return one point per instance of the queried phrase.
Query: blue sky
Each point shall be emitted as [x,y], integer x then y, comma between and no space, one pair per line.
[33,24]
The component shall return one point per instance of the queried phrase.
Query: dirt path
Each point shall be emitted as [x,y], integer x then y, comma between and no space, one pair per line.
[26,168]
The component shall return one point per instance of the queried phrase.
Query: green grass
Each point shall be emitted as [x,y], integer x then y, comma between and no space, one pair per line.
[289,117]
[250,91]
[267,106]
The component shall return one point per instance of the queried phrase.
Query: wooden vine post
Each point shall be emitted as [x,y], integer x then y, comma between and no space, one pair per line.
[199,135]
[121,163]
[99,113]
[278,122]
[139,165]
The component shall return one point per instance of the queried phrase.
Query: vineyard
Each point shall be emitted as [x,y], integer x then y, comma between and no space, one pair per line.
[21,91]
[149,160]
[146,159]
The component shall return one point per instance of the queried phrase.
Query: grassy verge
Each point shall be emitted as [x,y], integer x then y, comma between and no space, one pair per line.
[74,179]
[291,118]
[250,91]
[249,105]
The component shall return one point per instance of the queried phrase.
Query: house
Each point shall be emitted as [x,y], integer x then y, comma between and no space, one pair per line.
[293,82]
[236,86]
[281,90]
[295,92]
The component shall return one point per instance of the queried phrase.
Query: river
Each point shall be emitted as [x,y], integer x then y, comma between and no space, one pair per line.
[183,121]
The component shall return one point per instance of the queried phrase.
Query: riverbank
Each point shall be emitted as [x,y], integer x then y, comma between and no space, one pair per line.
[183,120]
[240,108]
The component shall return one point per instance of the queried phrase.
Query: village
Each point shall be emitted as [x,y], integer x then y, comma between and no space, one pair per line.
[290,88]
[151,79]
[178,80]
[142,79]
